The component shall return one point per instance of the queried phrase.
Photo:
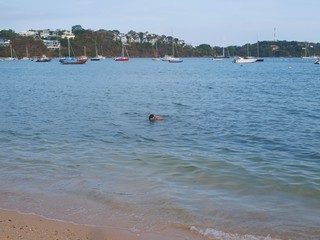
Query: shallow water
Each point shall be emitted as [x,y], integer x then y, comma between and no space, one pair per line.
[239,152]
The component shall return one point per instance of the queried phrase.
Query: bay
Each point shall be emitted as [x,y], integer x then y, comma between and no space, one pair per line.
[238,152]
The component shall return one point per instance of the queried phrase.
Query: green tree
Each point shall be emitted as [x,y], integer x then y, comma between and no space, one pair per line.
[77,29]
[9,34]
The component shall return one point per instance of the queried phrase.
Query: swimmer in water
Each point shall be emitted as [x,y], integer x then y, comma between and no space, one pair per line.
[152,117]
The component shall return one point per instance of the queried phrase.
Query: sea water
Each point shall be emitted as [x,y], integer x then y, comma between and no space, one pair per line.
[238,155]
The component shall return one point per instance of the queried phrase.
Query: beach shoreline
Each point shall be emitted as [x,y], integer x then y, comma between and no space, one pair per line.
[14,225]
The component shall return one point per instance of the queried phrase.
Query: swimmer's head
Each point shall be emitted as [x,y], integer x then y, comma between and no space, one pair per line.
[151,116]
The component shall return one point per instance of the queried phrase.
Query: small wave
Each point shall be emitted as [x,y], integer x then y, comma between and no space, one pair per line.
[219,235]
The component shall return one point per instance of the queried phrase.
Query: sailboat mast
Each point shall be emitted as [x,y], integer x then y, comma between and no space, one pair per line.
[172,47]
[11,51]
[95,43]
[69,47]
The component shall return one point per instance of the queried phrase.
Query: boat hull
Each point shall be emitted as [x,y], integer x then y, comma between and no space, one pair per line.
[244,60]
[73,60]
[121,59]
[43,60]
[178,60]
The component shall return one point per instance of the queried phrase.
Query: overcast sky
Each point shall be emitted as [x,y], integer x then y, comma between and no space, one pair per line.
[214,22]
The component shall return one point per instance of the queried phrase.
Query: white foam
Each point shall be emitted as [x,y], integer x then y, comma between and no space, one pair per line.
[219,235]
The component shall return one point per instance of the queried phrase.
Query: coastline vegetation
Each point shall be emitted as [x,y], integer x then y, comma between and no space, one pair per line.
[86,41]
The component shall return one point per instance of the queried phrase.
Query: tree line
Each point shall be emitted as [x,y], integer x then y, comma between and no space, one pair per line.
[86,41]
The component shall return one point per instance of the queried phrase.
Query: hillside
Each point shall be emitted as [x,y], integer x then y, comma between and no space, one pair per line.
[85,41]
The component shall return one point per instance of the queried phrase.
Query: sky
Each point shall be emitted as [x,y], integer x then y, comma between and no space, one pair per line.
[213,22]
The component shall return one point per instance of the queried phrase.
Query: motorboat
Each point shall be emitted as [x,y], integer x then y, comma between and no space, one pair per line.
[175,60]
[244,60]
[44,58]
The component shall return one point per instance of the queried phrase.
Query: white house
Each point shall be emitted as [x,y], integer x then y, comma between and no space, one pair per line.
[52,44]
[47,33]
[29,33]
[4,42]
[67,34]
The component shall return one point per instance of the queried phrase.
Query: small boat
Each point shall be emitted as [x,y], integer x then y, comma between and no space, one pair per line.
[122,58]
[157,57]
[44,58]
[175,60]
[13,55]
[97,57]
[317,61]
[27,55]
[221,57]
[72,60]
[167,58]
[244,60]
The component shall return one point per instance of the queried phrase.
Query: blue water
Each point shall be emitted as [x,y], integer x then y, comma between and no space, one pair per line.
[238,153]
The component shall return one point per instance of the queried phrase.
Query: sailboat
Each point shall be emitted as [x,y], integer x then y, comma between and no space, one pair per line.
[307,53]
[97,57]
[156,58]
[220,57]
[174,59]
[259,59]
[72,60]
[122,58]
[12,54]
[27,55]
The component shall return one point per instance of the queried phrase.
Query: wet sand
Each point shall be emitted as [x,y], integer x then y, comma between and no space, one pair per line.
[15,226]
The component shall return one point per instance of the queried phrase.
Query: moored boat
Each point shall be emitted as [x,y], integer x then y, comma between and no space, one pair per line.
[72,60]
[97,57]
[13,55]
[244,60]
[175,60]
[317,61]
[167,58]
[122,58]
[44,58]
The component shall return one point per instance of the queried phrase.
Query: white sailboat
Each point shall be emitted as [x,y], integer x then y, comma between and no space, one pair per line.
[156,58]
[221,57]
[27,55]
[174,59]
[12,55]
[97,57]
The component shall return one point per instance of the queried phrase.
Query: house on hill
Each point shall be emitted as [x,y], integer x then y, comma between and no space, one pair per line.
[4,42]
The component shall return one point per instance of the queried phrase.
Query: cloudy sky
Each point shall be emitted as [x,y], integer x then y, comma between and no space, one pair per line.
[214,22]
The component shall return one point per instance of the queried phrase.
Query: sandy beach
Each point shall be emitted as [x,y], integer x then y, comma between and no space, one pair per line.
[14,226]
